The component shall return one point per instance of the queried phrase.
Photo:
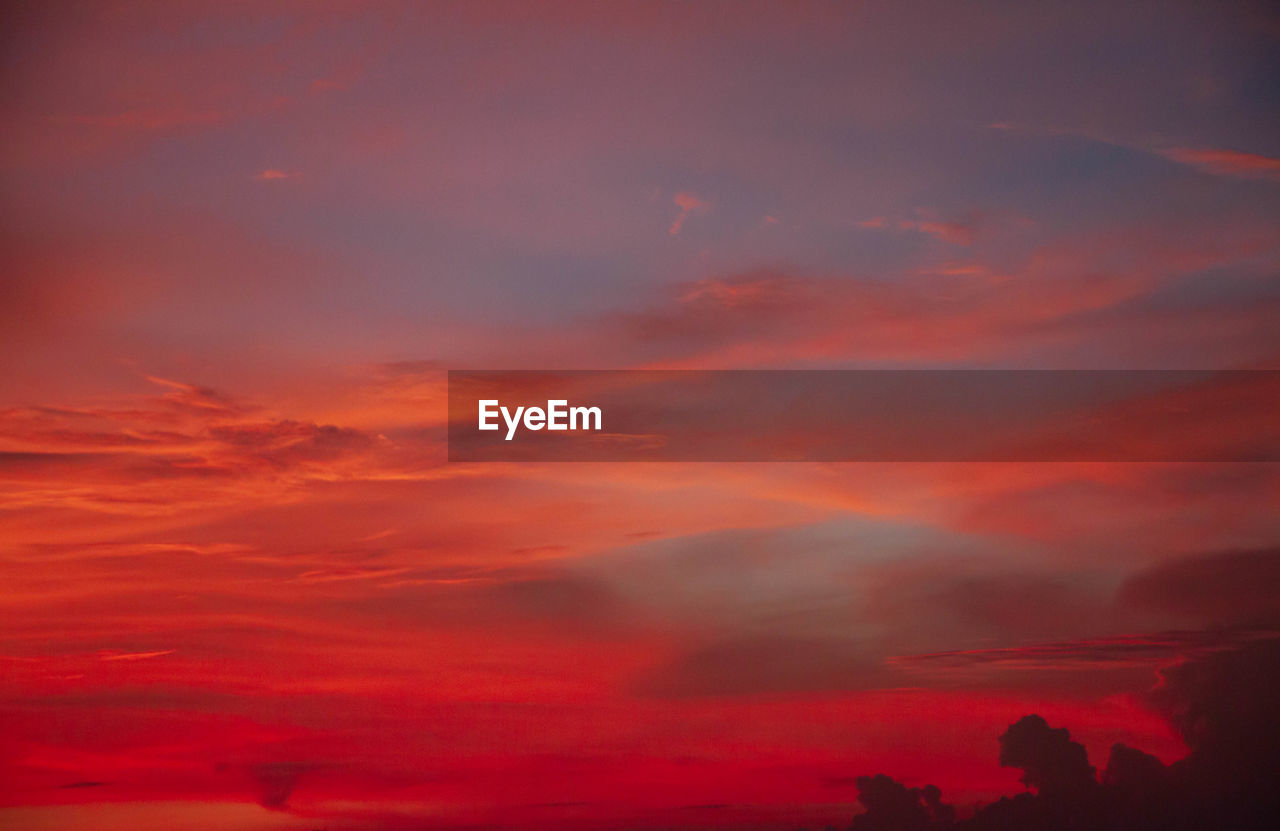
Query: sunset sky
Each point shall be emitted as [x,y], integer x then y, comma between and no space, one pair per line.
[240,585]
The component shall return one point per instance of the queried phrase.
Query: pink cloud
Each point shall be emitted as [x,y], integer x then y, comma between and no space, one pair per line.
[1225,162]
[957,233]
[689,205]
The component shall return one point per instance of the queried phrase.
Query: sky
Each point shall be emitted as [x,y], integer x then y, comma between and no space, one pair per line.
[241,586]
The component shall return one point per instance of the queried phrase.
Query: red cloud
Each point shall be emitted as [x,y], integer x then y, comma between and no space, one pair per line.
[689,205]
[1226,162]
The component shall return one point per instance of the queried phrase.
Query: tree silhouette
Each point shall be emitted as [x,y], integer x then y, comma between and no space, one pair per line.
[1226,706]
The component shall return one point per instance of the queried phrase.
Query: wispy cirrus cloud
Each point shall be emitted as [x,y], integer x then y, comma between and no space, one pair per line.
[1053,294]
[1151,650]
[1225,162]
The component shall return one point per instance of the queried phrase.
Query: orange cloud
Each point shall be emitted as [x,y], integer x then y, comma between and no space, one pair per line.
[957,233]
[689,205]
[1226,162]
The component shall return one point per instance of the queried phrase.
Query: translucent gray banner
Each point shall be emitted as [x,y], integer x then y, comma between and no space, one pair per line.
[865,415]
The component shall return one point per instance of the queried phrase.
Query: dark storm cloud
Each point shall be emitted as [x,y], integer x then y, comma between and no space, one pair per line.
[1226,587]
[1149,649]
[1225,707]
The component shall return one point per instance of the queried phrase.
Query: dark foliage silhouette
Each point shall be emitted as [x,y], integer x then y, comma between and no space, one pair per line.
[891,804]
[1050,762]
[1228,711]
